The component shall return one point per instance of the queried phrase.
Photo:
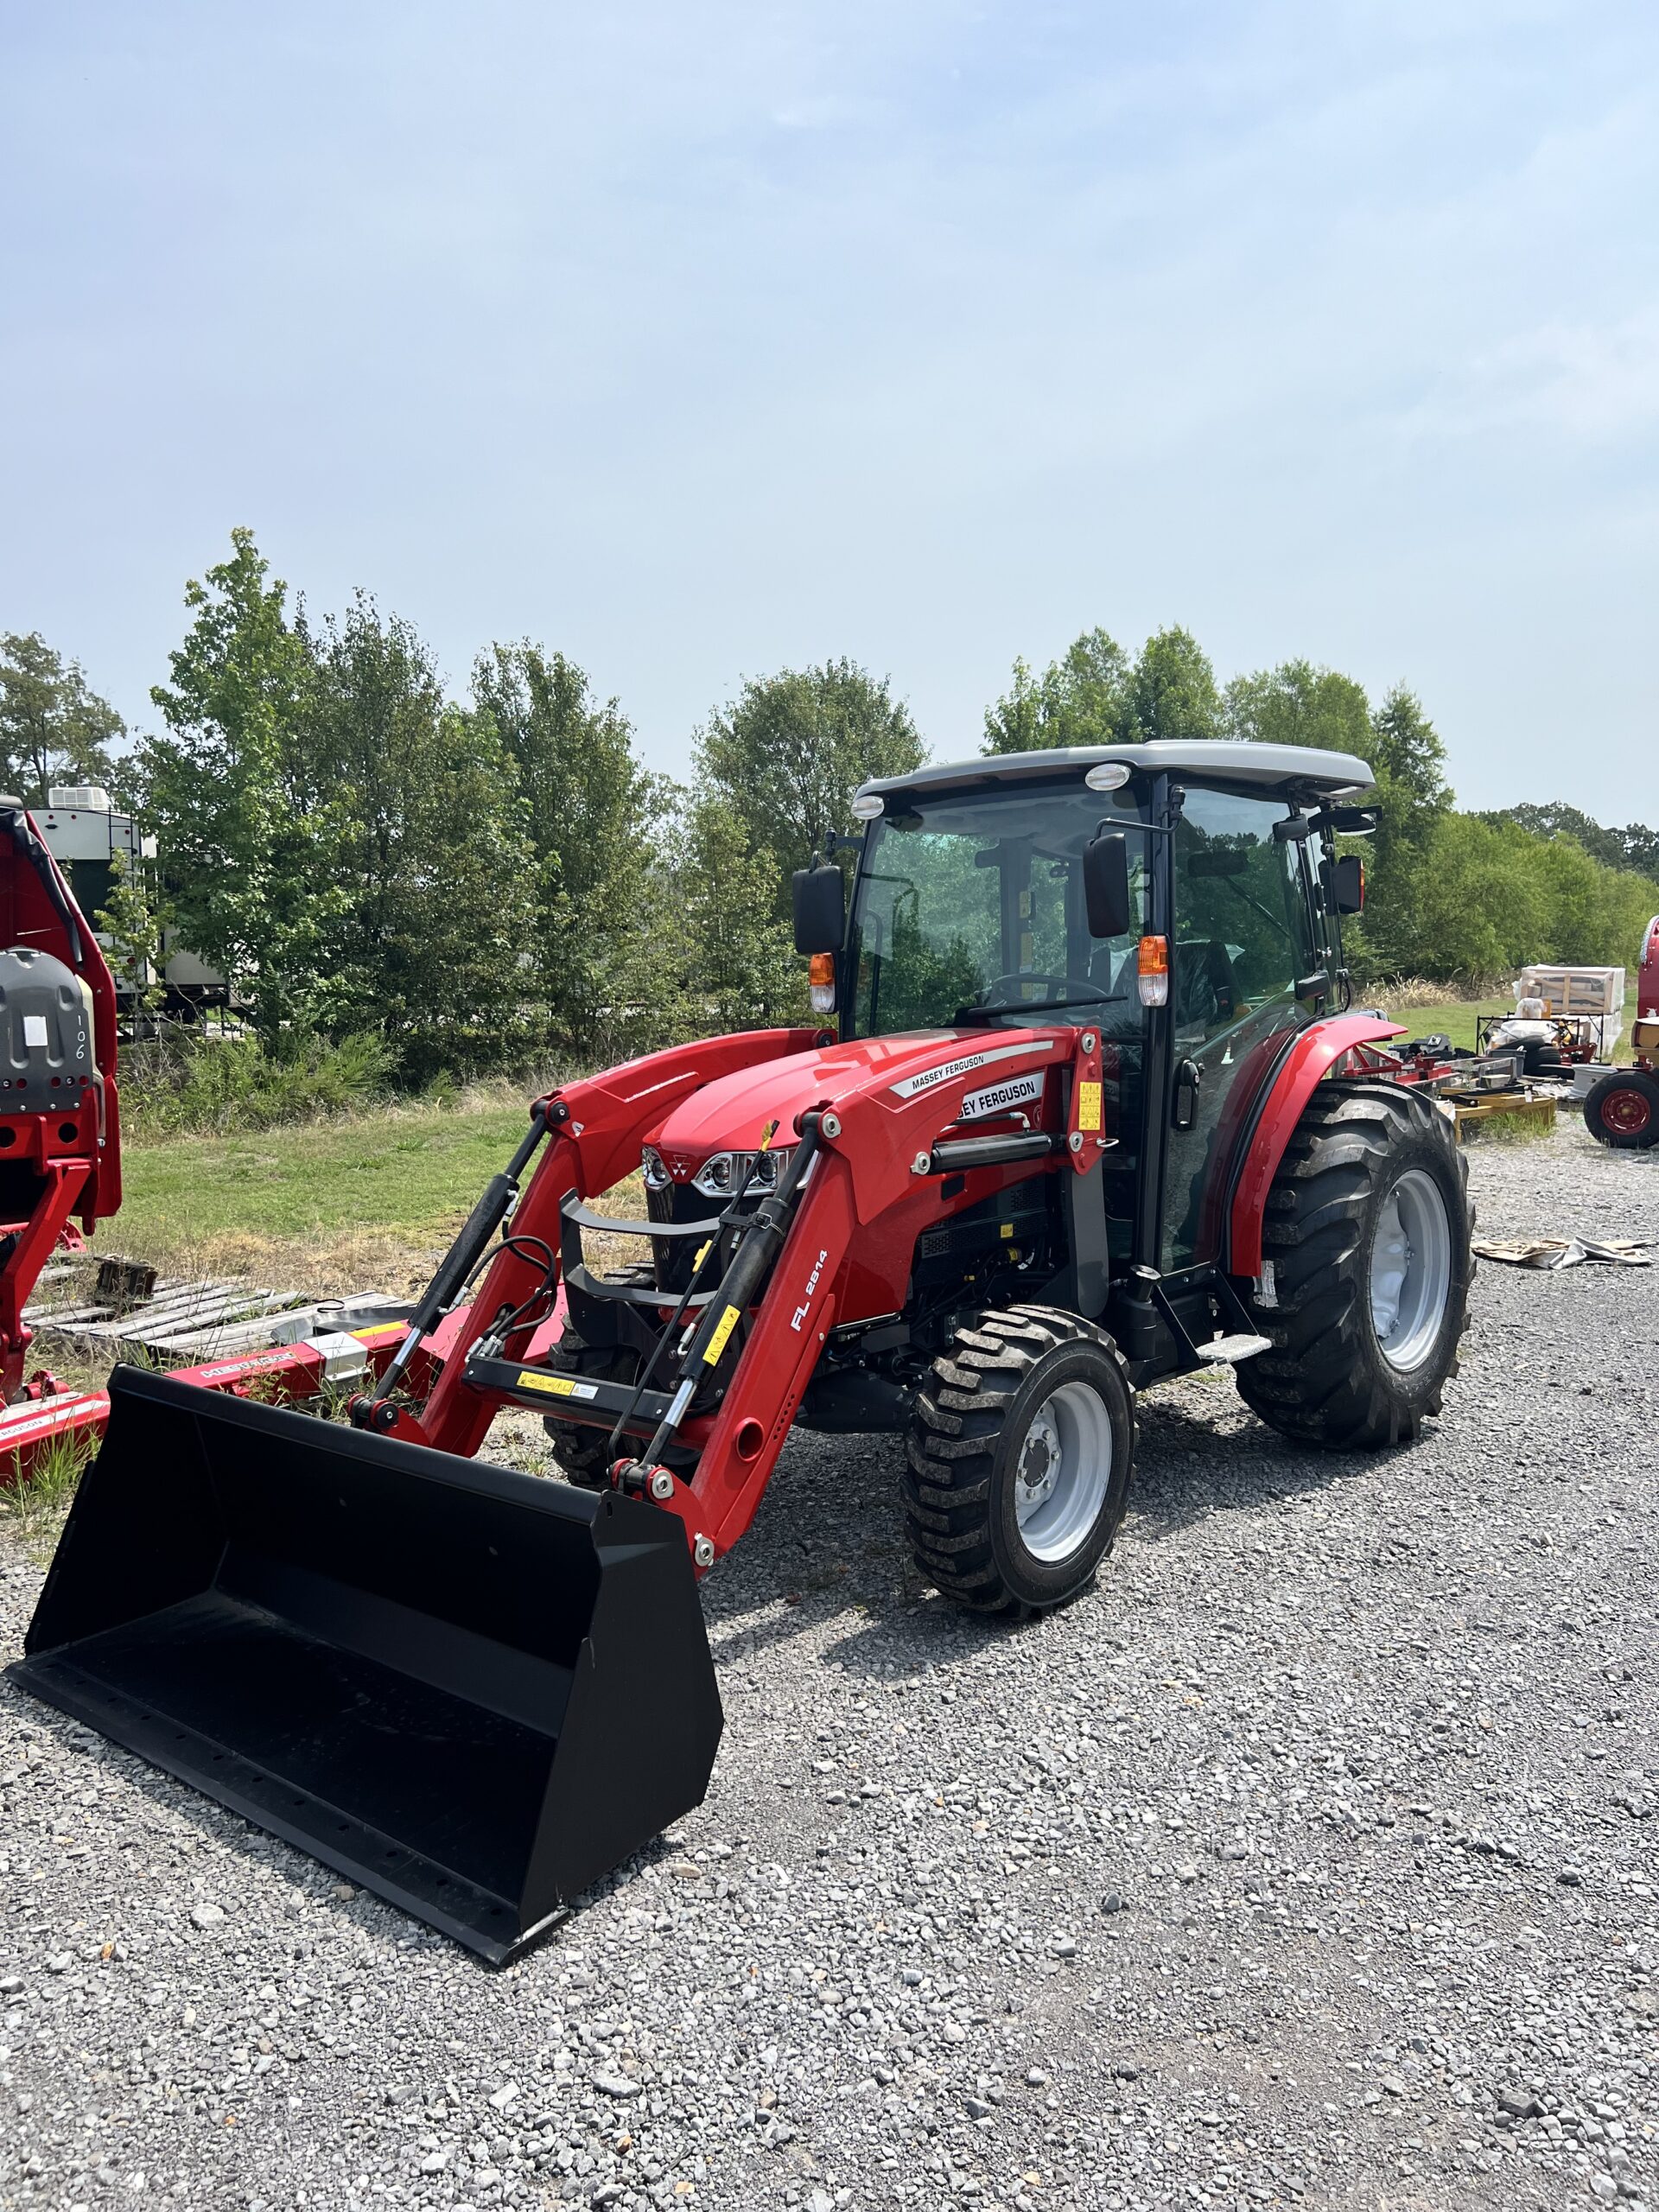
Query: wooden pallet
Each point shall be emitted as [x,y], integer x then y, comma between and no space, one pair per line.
[1498,1103]
[181,1319]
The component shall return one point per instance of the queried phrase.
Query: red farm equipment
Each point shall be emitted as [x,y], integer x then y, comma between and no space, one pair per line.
[59,1118]
[61,1152]
[1623,1110]
[1090,1113]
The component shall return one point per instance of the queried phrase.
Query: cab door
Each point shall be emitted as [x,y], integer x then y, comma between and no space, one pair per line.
[1243,940]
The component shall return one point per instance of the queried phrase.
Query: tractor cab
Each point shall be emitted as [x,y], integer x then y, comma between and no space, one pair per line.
[1181,900]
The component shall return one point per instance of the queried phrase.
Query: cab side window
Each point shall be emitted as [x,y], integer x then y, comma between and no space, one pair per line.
[1244,934]
[1243,940]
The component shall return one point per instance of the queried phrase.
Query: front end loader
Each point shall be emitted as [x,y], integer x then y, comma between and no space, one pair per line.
[1087,1110]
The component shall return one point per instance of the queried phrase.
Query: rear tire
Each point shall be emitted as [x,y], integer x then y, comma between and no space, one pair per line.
[1367,1230]
[1623,1110]
[1019,1457]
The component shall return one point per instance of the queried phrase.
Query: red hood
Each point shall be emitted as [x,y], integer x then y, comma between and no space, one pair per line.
[731,1114]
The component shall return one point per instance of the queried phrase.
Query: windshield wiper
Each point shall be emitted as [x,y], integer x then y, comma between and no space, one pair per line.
[972,1016]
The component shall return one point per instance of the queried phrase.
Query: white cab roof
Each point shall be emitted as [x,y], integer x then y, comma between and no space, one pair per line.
[1285,768]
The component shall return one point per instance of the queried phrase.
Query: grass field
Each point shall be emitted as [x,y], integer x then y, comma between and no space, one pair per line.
[1457,1020]
[324,1208]
[364,1204]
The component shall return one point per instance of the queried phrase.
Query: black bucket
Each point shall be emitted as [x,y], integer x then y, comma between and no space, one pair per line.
[471,1691]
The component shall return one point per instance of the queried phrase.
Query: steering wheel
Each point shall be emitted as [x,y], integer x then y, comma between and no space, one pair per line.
[1068,990]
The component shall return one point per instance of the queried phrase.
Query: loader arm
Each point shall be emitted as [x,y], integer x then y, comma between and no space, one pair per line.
[596,1128]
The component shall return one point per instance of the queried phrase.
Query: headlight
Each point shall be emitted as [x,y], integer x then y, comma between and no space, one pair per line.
[713,1178]
[724,1173]
[651,1166]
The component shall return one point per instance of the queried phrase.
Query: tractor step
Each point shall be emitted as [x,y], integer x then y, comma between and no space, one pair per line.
[1227,1351]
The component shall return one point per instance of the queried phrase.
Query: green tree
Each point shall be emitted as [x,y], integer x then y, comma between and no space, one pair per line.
[1173,691]
[131,925]
[1409,759]
[734,963]
[1479,905]
[1413,804]
[1095,695]
[786,755]
[595,821]
[53,728]
[1635,847]
[1081,699]
[434,877]
[1297,703]
[249,844]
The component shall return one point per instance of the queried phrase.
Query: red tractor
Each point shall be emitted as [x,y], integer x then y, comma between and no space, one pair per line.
[1622,1109]
[1089,1113]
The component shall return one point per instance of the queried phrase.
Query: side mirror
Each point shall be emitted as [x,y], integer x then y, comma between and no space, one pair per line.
[1346,885]
[1106,884]
[820,902]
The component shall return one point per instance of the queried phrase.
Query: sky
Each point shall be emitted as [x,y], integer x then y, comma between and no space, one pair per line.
[698,340]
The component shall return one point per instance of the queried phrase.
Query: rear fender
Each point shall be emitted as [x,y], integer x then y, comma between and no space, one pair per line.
[1647,975]
[1316,1051]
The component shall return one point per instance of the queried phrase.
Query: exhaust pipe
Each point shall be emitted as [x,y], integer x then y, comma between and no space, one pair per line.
[470,1690]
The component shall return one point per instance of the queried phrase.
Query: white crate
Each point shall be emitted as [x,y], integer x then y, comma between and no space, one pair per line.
[1573,990]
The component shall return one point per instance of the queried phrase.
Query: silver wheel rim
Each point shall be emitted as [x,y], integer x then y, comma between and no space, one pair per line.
[1411,1270]
[1063,1472]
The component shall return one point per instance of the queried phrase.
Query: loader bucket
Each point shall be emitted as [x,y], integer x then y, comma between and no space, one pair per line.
[470,1690]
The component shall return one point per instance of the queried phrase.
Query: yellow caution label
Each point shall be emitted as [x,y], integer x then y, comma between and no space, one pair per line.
[1089,1106]
[555,1386]
[1006,1228]
[722,1338]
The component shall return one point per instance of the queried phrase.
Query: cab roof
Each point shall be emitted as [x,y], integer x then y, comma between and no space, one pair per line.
[1291,769]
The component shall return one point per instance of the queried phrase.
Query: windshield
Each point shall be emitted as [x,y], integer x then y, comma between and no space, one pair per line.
[969,908]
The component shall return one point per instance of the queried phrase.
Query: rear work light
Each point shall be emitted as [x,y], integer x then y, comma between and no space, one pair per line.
[821,976]
[1152,966]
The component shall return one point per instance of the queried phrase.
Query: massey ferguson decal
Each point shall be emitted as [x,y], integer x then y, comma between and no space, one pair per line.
[1003,1098]
[965,1065]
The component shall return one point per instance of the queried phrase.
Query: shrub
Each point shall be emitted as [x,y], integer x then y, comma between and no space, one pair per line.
[227,1083]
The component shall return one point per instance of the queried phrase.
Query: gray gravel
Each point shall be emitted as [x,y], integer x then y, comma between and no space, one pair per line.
[1309,1861]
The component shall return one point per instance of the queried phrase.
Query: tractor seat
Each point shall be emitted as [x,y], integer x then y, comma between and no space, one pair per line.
[1206,991]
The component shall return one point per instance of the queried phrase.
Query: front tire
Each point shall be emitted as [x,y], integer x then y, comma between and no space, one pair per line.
[1623,1110]
[1367,1230]
[1019,1458]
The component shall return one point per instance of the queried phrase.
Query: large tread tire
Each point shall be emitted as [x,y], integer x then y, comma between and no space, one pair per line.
[1327,1381]
[962,1455]
[1622,1110]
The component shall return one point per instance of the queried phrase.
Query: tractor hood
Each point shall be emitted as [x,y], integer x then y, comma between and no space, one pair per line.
[731,1114]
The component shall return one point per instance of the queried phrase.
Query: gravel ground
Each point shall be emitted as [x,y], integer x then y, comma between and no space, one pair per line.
[1309,1861]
